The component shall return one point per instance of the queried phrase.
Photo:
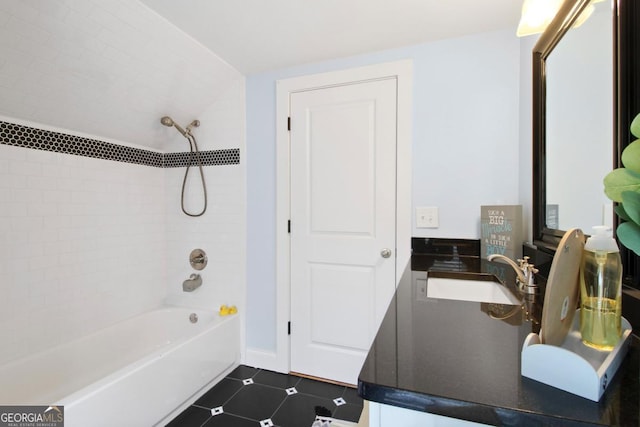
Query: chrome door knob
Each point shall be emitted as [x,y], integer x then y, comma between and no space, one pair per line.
[386,253]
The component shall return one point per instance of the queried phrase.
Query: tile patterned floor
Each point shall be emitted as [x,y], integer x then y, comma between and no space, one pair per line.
[254,397]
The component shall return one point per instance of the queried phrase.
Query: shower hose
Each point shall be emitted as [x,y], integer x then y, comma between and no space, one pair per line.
[193,144]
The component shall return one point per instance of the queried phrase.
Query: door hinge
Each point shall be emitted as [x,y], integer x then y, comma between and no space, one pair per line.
[289,226]
[288,123]
[288,328]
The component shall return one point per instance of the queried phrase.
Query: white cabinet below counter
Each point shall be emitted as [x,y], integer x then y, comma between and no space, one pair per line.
[381,415]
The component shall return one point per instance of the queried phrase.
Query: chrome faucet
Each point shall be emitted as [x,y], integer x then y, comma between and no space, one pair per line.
[525,272]
[192,283]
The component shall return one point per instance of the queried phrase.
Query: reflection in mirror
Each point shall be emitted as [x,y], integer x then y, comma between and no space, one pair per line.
[579,124]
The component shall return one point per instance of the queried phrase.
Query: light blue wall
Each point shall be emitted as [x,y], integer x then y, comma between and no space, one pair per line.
[526,130]
[466,148]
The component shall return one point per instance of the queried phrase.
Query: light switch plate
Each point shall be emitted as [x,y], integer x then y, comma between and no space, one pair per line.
[427,217]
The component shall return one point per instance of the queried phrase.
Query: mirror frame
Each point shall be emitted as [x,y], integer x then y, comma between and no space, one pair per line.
[626,105]
[545,238]
[627,71]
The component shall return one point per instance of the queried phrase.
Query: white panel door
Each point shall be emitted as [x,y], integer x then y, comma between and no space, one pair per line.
[343,186]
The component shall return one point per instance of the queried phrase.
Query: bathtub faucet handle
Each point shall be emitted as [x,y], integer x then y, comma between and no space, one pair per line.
[198,259]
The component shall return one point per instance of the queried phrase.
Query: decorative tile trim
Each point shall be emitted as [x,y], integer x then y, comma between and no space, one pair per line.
[215,157]
[39,139]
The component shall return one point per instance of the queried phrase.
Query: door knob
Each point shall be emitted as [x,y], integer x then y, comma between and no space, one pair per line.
[386,253]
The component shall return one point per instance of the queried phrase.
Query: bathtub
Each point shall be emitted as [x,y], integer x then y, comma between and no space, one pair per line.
[139,372]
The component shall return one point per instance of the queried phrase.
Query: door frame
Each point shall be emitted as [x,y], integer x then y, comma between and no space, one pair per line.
[402,71]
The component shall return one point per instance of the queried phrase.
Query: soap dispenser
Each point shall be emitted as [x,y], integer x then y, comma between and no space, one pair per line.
[600,291]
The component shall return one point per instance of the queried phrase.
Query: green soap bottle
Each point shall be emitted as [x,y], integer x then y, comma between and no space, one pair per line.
[601,291]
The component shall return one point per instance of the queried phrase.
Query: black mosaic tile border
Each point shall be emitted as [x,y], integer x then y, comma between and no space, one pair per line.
[40,139]
[215,157]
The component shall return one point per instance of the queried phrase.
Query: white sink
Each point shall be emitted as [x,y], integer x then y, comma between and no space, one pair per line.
[469,290]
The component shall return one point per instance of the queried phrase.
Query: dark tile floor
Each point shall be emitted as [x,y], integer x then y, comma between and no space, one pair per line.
[255,397]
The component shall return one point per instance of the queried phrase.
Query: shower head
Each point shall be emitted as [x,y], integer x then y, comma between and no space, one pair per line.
[168,121]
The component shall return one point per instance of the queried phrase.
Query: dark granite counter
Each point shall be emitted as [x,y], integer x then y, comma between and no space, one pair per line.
[454,358]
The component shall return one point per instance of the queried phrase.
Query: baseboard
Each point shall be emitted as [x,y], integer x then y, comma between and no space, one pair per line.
[263,359]
[364,416]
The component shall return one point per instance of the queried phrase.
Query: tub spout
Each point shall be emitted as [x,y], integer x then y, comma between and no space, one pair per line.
[192,283]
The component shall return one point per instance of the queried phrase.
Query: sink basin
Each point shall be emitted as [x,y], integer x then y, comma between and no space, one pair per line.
[469,290]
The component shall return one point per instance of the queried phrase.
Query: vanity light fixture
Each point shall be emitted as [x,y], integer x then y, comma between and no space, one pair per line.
[538,14]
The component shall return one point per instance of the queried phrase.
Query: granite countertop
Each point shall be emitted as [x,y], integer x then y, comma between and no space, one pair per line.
[451,358]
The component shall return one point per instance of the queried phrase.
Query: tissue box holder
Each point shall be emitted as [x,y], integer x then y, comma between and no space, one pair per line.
[574,367]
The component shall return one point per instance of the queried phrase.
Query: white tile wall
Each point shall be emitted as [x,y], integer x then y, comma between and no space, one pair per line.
[82,245]
[221,230]
[103,67]
[85,242]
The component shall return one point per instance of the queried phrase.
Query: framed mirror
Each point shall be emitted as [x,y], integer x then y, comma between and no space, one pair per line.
[624,70]
[573,120]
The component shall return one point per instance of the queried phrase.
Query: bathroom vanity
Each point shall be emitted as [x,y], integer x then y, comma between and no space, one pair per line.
[440,361]
[439,357]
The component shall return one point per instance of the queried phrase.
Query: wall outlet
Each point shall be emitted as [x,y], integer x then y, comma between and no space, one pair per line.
[427,217]
[421,289]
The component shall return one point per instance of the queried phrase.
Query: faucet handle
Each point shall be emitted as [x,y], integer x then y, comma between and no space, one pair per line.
[530,286]
[524,262]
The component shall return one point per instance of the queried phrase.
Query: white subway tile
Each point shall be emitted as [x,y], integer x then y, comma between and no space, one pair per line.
[28,195]
[13,181]
[39,262]
[56,196]
[55,223]
[38,237]
[42,210]
[13,210]
[40,156]
[25,223]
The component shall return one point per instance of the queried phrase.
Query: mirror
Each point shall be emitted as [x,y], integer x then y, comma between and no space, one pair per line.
[579,123]
[573,120]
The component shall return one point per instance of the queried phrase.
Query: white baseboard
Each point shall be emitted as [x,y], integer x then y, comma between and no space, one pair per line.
[263,359]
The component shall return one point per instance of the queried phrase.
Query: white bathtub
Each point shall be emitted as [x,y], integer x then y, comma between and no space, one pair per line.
[138,372]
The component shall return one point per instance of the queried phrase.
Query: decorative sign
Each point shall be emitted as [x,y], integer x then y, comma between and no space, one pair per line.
[553,216]
[501,231]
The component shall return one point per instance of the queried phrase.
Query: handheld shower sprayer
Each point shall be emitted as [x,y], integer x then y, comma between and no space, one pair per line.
[168,121]
[193,149]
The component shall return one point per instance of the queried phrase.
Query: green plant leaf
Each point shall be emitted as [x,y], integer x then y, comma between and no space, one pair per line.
[635,126]
[631,203]
[619,209]
[631,156]
[619,180]
[629,235]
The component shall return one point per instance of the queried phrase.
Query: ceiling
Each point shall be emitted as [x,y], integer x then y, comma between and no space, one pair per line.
[112,68]
[258,35]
